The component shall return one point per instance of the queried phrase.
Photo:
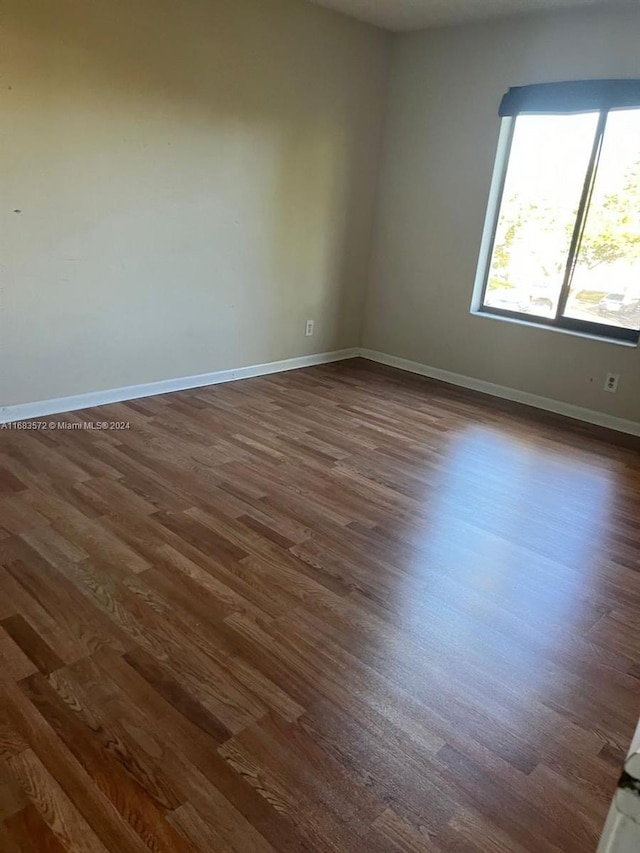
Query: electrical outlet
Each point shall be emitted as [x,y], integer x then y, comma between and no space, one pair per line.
[308,330]
[611,382]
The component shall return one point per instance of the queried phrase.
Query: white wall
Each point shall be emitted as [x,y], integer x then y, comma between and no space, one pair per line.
[195,179]
[441,133]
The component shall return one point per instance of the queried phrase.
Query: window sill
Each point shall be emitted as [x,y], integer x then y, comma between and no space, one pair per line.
[574,334]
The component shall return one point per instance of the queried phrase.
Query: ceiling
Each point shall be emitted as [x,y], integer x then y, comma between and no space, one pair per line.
[415,14]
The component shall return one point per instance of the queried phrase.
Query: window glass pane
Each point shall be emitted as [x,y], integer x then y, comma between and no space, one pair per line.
[606,282]
[544,182]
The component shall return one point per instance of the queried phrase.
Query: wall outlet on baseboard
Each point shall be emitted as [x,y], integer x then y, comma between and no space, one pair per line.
[309,327]
[611,382]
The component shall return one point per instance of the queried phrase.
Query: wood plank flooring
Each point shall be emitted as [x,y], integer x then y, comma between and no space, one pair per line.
[340,609]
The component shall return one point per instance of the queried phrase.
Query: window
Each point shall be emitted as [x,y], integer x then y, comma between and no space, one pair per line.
[562,238]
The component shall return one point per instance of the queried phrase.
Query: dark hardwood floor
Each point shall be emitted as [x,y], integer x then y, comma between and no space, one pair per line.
[341,609]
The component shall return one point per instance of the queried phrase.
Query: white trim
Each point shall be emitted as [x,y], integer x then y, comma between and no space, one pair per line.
[558,407]
[621,832]
[42,408]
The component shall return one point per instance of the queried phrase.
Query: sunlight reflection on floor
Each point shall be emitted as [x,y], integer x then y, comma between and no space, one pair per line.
[502,509]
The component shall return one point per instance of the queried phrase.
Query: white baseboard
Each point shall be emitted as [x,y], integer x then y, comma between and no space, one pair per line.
[577,412]
[59,405]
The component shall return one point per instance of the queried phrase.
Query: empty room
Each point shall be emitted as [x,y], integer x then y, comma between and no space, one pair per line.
[319,426]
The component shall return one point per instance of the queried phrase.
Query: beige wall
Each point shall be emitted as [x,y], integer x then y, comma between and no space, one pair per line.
[441,134]
[195,179]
